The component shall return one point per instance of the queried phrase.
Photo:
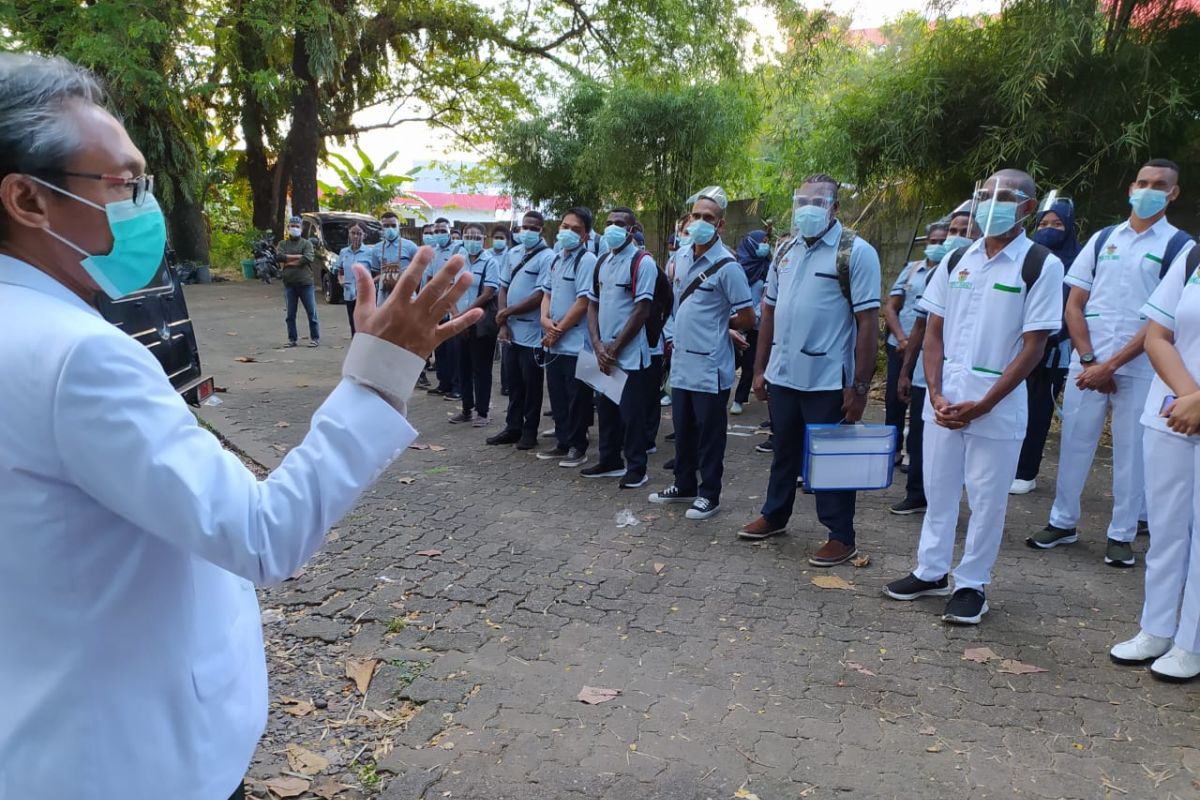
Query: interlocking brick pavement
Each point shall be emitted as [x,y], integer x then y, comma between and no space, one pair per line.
[735,671]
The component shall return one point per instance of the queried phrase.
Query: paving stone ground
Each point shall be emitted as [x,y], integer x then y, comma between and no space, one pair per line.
[736,672]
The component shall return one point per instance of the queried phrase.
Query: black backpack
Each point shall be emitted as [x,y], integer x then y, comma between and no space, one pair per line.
[1174,245]
[1190,264]
[661,304]
[1031,267]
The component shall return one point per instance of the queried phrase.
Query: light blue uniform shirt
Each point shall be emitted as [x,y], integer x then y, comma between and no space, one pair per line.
[440,256]
[815,331]
[345,264]
[903,288]
[757,289]
[618,299]
[702,359]
[399,252]
[487,273]
[527,328]
[916,290]
[568,279]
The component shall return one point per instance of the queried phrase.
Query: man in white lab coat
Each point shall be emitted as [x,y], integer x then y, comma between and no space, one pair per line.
[131,657]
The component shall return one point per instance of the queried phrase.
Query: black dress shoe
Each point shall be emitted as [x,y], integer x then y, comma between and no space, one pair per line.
[504,437]
[527,442]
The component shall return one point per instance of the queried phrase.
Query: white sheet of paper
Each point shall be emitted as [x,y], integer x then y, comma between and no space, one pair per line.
[587,369]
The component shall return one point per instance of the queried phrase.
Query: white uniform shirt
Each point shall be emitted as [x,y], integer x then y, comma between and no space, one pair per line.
[986,311]
[1120,282]
[1176,306]
[132,659]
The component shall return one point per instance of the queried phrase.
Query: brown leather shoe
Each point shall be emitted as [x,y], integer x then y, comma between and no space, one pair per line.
[760,529]
[833,553]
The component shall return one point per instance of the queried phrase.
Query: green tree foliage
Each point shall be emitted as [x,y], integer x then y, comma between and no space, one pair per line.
[366,188]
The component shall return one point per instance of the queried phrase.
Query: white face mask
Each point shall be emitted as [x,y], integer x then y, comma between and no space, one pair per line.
[295,232]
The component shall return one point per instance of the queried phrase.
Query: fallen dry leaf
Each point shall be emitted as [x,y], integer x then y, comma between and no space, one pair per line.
[407,481]
[745,794]
[286,786]
[360,671]
[282,424]
[272,615]
[246,359]
[1014,667]
[328,788]
[857,667]
[979,654]
[658,568]
[928,730]
[429,553]
[593,695]
[305,761]
[933,748]
[231,333]
[296,707]
[437,448]
[418,447]
[831,582]
[860,561]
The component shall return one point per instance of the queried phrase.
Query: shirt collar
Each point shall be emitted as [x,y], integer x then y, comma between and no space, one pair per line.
[1013,251]
[20,273]
[712,255]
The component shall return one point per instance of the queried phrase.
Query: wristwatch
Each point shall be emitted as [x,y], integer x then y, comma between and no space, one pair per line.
[861,388]
[1087,358]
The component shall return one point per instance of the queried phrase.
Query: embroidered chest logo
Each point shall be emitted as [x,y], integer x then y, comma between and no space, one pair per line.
[1109,254]
[961,280]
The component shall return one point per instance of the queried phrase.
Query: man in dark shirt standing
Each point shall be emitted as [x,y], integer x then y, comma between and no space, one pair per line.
[296,259]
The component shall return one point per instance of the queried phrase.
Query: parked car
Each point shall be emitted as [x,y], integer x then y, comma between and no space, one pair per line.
[157,316]
[329,231]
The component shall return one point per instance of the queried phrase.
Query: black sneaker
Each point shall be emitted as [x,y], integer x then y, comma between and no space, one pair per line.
[672,494]
[1051,536]
[908,506]
[966,607]
[603,471]
[574,458]
[422,381]
[435,390]
[551,455]
[634,481]
[1119,554]
[452,396]
[504,437]
[912,587]
[1143,528]
[527,443]
[765,447]
[670,437]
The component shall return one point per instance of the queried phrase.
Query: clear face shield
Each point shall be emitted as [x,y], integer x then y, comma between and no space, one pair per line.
[812,209]
[998,206]
[1054,213]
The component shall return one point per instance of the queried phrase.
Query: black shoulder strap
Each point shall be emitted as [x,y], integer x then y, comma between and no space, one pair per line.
[702,277]
[1031,268]
[844,251]
[955,257]
[528,256]
[1189,266]
[596,273]
[1174,245]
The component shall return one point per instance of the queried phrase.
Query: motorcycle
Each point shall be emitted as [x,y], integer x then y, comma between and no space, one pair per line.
[266,261]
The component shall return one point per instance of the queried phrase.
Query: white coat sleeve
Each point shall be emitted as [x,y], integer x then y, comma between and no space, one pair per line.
[129,441]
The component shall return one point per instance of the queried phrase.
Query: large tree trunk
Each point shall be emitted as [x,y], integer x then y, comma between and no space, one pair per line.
[265,190]
[304,138]
[189,230]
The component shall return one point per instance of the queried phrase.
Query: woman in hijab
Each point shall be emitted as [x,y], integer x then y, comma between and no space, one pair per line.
[754,254]
[1056,231]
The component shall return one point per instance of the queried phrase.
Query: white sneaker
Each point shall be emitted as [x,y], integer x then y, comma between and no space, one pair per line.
[1022,487]
[1140,649]
[1177,666]
[665,400]
[736,409]
[702,508]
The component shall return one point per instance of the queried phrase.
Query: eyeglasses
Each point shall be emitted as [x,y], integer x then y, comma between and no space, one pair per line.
[142,186]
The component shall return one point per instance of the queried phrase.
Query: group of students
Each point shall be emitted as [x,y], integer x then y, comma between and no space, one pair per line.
[977,350]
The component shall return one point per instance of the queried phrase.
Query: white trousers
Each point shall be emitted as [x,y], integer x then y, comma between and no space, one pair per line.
[1083,420]
[987,468]
[1173,560]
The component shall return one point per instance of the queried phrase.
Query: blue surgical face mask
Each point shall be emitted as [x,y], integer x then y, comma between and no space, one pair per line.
[568,239]
[499,244]
[294,231]
[996,217]
[1147,202]
[1050,237]
[685,241]
[529,238]
[473,246]
[762,250]
[392,234]
[441,239]
[956,242]
[615,236]
[935,252]
[139,243]
[810,221]
[702,232]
